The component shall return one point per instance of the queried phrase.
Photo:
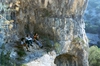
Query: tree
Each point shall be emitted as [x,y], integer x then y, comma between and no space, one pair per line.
[94,56]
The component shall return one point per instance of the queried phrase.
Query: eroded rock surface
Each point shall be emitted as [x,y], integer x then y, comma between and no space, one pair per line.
[60,20]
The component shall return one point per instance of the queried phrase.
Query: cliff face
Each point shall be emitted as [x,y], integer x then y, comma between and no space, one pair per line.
[60,20]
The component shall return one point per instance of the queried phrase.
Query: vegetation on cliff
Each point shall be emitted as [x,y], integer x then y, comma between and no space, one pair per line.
[94,56]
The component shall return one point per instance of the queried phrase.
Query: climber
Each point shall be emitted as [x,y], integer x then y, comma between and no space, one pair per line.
[36,36]
[29,40]
[24,44]
[36,40]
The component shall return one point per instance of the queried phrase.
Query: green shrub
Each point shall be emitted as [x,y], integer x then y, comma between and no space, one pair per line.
[57,47]
[90,26]
[21,52]
[47,43]
[78,40]
[94,56]
[3,46]
[5,60]
[23,65]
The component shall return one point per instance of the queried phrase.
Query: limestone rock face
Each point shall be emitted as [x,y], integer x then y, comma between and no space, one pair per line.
[60,20]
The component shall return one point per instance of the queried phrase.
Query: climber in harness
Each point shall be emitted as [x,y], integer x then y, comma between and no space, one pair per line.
[23,44]
[29,40]
[36,40]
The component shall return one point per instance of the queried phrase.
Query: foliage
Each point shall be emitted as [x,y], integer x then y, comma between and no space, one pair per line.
[47,43]
[23,65]
[3,46]
[78,40]
[94,56]
[5,59]
[98,44]
[21,52]
[92,16]
[57,47]
[90,28]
